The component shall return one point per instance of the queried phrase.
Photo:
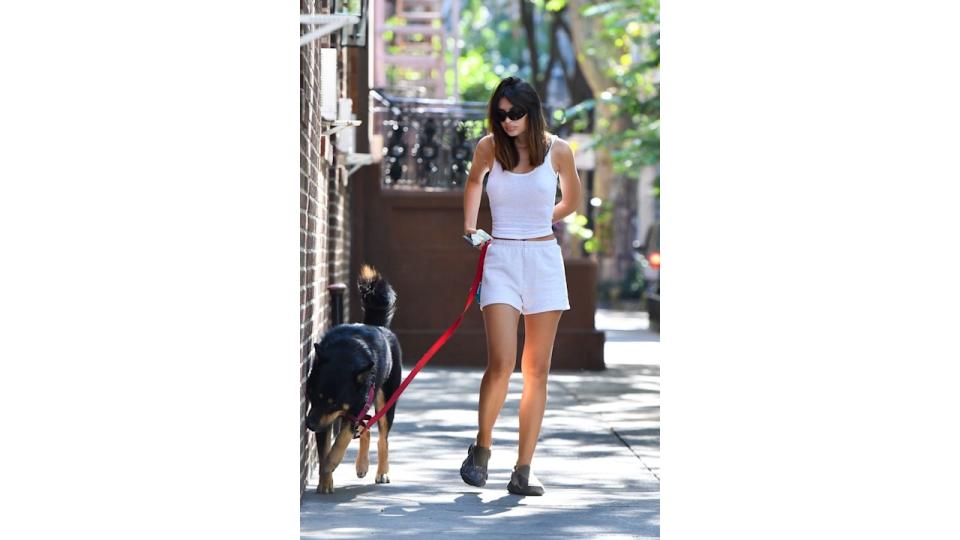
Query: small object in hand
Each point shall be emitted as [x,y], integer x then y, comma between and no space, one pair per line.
[478,238]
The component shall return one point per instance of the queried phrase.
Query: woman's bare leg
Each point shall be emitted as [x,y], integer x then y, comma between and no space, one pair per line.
[500,321]
[540,331]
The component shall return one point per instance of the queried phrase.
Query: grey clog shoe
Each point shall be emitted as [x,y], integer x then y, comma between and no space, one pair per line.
[520,482]
[474,468]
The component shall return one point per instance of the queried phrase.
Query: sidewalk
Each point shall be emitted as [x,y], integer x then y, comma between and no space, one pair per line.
[598,457]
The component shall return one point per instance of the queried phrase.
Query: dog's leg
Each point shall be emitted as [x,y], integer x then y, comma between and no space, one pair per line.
[333,458]
[383,463]
[322,438]
[363,456]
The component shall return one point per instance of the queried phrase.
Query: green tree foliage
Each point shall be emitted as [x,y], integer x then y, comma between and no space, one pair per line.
[628,49]
[493,45]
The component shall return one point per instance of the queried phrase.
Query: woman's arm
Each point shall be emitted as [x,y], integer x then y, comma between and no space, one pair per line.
[569,180]
[473,190]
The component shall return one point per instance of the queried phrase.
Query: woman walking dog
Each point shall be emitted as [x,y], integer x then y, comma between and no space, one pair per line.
[523,271]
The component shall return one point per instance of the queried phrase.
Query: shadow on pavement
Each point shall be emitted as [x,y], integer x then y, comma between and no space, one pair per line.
[598,457]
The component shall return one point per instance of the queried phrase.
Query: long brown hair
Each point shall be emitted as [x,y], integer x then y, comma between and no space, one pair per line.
[520,94]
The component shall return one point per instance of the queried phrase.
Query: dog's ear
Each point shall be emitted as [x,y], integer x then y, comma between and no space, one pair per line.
[361,374]
[317,360]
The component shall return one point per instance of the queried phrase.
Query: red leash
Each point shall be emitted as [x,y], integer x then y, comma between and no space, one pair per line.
[431,351]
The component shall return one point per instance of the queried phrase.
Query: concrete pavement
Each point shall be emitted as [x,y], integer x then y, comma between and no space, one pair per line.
[598,457]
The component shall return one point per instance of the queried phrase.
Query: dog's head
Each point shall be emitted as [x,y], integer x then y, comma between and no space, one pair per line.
[339,378]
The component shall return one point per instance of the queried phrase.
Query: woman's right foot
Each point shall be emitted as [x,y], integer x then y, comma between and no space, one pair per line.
[474,468]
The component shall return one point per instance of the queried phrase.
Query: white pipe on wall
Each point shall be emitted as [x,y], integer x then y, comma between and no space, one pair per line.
[331,23]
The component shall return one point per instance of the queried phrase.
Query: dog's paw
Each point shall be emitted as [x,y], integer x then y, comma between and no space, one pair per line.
[383,479]
[326,484]
[363,466]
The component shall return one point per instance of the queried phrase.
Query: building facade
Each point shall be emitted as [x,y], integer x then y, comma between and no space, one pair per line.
[327,158]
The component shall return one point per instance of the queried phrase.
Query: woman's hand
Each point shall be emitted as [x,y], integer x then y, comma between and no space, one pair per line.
[468,233]
[473,190]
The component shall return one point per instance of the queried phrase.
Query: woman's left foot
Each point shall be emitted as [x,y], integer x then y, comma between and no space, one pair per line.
[523,482]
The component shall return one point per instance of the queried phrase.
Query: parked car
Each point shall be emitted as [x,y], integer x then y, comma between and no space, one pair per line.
[650,261]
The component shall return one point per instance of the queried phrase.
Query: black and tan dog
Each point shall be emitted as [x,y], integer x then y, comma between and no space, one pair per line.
[354,364]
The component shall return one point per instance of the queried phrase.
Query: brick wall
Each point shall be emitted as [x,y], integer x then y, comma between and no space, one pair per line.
[324,220]
[338,237]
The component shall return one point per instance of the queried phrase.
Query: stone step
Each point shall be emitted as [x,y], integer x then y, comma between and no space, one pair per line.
[413,29]
[408,61]
[404,4]
[419,15]
[415,48]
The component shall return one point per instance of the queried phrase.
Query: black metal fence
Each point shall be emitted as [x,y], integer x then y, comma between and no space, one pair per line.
[427,143]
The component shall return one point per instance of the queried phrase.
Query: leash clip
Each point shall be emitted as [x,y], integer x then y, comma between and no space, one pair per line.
[359,426]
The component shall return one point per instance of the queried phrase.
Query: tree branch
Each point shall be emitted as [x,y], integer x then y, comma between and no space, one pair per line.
[577,84]
[544,85]
[526,17]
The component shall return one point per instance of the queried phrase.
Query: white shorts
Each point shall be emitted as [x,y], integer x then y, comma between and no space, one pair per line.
[527,274]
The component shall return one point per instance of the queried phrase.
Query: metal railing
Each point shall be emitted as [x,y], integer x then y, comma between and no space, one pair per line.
[427,143]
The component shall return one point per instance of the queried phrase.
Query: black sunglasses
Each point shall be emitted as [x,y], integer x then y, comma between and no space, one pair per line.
[514,114]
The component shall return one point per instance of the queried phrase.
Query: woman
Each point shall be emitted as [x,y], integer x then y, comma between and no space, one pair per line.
[523,270]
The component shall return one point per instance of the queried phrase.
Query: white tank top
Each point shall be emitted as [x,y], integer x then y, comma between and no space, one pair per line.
[522,203]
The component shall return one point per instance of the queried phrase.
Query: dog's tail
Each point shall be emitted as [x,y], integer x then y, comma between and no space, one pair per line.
[377,297]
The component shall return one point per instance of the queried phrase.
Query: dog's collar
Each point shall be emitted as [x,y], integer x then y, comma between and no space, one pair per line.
[360,421]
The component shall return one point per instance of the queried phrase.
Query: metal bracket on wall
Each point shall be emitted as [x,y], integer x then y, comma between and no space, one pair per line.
[334,126]
[355,161]
[331,23]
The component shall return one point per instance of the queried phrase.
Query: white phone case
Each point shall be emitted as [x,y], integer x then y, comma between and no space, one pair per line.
[477,238]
